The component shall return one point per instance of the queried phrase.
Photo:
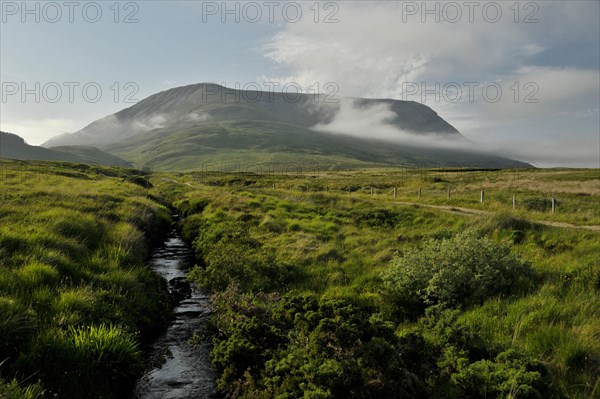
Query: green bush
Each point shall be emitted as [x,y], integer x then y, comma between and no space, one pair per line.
[254,269]
[304,346]
[509,375]
[456,362]
[229,254]
[462,270]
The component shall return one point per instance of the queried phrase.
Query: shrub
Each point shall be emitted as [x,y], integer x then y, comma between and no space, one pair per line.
[509,375]
[306,346]
[456,362]
[462,270]
[253,269]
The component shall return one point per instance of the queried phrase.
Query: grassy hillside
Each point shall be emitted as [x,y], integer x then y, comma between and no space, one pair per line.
[324,293]
[86,154]
[76,299]
[277,145]
[187,128]
[192,105]
[14,147]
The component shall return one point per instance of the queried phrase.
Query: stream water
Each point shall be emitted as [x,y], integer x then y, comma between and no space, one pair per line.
[183,370]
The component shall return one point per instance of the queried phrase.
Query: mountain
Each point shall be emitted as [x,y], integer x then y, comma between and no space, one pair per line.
[187,127]
[14,147]
[258,145]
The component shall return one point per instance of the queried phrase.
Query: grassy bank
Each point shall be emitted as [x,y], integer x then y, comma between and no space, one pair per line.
[320,293]
[324,285]
[76,300]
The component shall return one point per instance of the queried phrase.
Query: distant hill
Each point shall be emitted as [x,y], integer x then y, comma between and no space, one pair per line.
[14,147]
[187,127]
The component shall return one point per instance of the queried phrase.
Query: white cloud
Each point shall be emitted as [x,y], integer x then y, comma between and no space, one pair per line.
[375,122]
[545,91]
[153,122]
[371,52]
[198,116]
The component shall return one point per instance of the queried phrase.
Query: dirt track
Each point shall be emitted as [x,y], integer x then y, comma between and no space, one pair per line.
[469,211]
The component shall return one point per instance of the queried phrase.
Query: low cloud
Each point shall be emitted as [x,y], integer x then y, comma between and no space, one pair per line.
[198,117]
[111,129]
[574,153]
[377,122]
[155,121]
[371,52]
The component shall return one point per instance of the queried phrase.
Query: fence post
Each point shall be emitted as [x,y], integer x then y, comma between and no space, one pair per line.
[514,202]
[371,191]
[553,204]
[482,196]
[394,192]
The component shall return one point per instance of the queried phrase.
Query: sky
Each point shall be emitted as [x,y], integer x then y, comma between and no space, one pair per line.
[521,79]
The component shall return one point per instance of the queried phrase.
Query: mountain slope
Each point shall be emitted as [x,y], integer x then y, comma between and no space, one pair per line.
[14,147]
[200,103]
[188,127]
[257,145]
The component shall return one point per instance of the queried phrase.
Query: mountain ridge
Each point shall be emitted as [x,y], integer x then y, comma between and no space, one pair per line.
[195,103]
[12,146]
[185,127]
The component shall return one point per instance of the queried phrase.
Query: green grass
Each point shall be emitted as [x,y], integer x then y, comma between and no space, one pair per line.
[339,243]
[14,147]
[76,300]
[261,145]
[297,277]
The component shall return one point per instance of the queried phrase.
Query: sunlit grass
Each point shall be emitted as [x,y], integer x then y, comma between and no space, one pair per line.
[74,291]
[342,244]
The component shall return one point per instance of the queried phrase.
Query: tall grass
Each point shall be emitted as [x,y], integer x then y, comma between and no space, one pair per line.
[341,243]
[75,296]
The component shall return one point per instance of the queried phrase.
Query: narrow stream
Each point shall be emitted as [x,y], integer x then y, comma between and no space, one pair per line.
[183,369]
